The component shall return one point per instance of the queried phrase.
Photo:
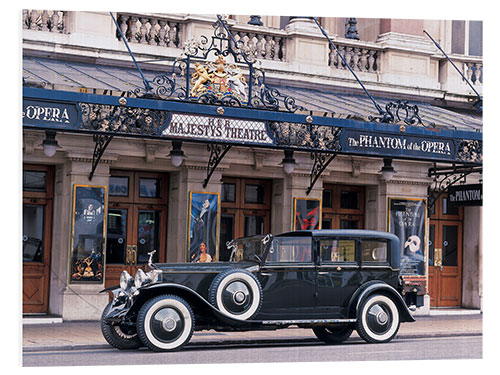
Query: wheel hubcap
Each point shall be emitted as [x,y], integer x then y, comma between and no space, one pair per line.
[237,297]
[167,324]
[378,318]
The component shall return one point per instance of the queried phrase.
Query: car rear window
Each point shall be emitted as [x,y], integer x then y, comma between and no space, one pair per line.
[290,249]
[374,251]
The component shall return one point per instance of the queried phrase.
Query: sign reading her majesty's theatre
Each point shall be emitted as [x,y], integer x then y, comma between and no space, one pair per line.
[218,129]
[397,145]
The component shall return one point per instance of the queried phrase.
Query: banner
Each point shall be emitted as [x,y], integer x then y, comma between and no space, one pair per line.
[406,219]
[307,213]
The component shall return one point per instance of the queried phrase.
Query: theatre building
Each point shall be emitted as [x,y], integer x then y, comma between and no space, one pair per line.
[176,133]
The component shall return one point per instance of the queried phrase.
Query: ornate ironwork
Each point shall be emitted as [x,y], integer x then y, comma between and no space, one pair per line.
[122,119]
[321,161]
[445,177]
[314,137]
[193,78]
[470,151]
[217,153]
[101,143]
[401,111]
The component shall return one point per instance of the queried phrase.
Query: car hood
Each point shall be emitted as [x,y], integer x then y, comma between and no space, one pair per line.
[213,267]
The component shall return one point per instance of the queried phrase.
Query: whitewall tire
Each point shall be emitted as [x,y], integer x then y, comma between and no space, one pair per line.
[165,323]
[378,319]
[237,293]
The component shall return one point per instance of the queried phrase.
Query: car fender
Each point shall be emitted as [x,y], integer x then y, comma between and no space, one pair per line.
[378,286]
[187,293]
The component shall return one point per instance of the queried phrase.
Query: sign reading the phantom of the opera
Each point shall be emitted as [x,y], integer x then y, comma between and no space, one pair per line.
[397,145]
[217,129]
[50,114]
[406,219]
[465,195]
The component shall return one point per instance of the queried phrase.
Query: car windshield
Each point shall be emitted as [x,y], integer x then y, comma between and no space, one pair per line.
[248,248]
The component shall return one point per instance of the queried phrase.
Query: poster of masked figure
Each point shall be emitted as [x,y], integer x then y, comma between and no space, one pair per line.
[307,213]
[407,221]
[203,227]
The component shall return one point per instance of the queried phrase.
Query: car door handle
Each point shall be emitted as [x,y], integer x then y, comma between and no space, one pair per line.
[323,273]
[265,274]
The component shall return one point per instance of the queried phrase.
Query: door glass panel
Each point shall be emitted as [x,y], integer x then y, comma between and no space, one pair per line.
[34,181]
[447,209]
[117,236]
[254,225]
[290,249]
[255,194]
[228,192]
[226,234]
[327,198]
[33,233]
[349,224]
[349,200]
[149,188]
[450,245]
[326,223]
[118,186]
[432,241]
[148,235]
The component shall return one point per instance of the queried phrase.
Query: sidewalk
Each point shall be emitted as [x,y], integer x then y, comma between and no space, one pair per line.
[87,334]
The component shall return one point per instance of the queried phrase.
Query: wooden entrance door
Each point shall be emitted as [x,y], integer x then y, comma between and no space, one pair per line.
[343,207]
[37,223]
[137,222]
[445,255]
[246,210]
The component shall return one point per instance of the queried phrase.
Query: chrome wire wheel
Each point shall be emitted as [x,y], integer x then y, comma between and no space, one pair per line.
[378,319]
[165,323]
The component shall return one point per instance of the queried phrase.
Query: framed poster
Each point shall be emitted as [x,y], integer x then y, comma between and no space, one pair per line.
[306,213]
[88,234]
[203,227]
[406,219]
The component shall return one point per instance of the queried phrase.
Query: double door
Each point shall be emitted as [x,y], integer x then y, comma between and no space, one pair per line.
[343,207]
[137,222]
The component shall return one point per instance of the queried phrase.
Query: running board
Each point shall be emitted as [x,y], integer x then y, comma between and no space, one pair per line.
[308,321]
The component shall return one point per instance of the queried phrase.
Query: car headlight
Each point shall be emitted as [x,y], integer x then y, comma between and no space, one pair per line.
[140,278]
[125,280]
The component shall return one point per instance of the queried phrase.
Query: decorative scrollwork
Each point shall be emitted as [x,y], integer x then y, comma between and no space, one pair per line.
[321,161]
[314,137]
[217,153]
[470,151]
[402,111]
[121,119]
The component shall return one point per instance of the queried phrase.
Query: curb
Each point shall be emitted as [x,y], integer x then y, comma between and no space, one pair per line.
[237,342]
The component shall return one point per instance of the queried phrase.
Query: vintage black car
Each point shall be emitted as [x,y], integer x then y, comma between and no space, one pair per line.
[332,281]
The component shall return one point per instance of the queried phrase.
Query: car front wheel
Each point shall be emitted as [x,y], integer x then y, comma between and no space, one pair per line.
[335,334]
[378,319]
[165,323]
[120,337]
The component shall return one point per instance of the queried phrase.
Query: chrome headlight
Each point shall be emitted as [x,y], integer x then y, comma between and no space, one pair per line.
[125,280]
[140,278]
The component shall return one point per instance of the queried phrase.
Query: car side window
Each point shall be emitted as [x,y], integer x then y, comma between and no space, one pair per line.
[337,250]
[290,249]
[374,251]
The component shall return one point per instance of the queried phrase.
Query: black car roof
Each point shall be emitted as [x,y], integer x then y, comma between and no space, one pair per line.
[339,232]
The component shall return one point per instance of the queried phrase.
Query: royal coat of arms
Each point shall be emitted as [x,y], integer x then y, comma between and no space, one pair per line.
[218,80]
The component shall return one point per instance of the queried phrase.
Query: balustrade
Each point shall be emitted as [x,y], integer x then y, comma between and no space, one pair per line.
[44,20]
[150,30]
[360,58]
[262,45]
[474,72]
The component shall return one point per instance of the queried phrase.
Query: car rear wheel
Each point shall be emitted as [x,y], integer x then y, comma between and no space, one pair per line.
[237,293]
[334,334]
[165,323]
[378,319]
[120,337]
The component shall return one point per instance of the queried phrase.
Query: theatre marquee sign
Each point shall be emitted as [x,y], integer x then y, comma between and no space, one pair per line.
[398,145]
